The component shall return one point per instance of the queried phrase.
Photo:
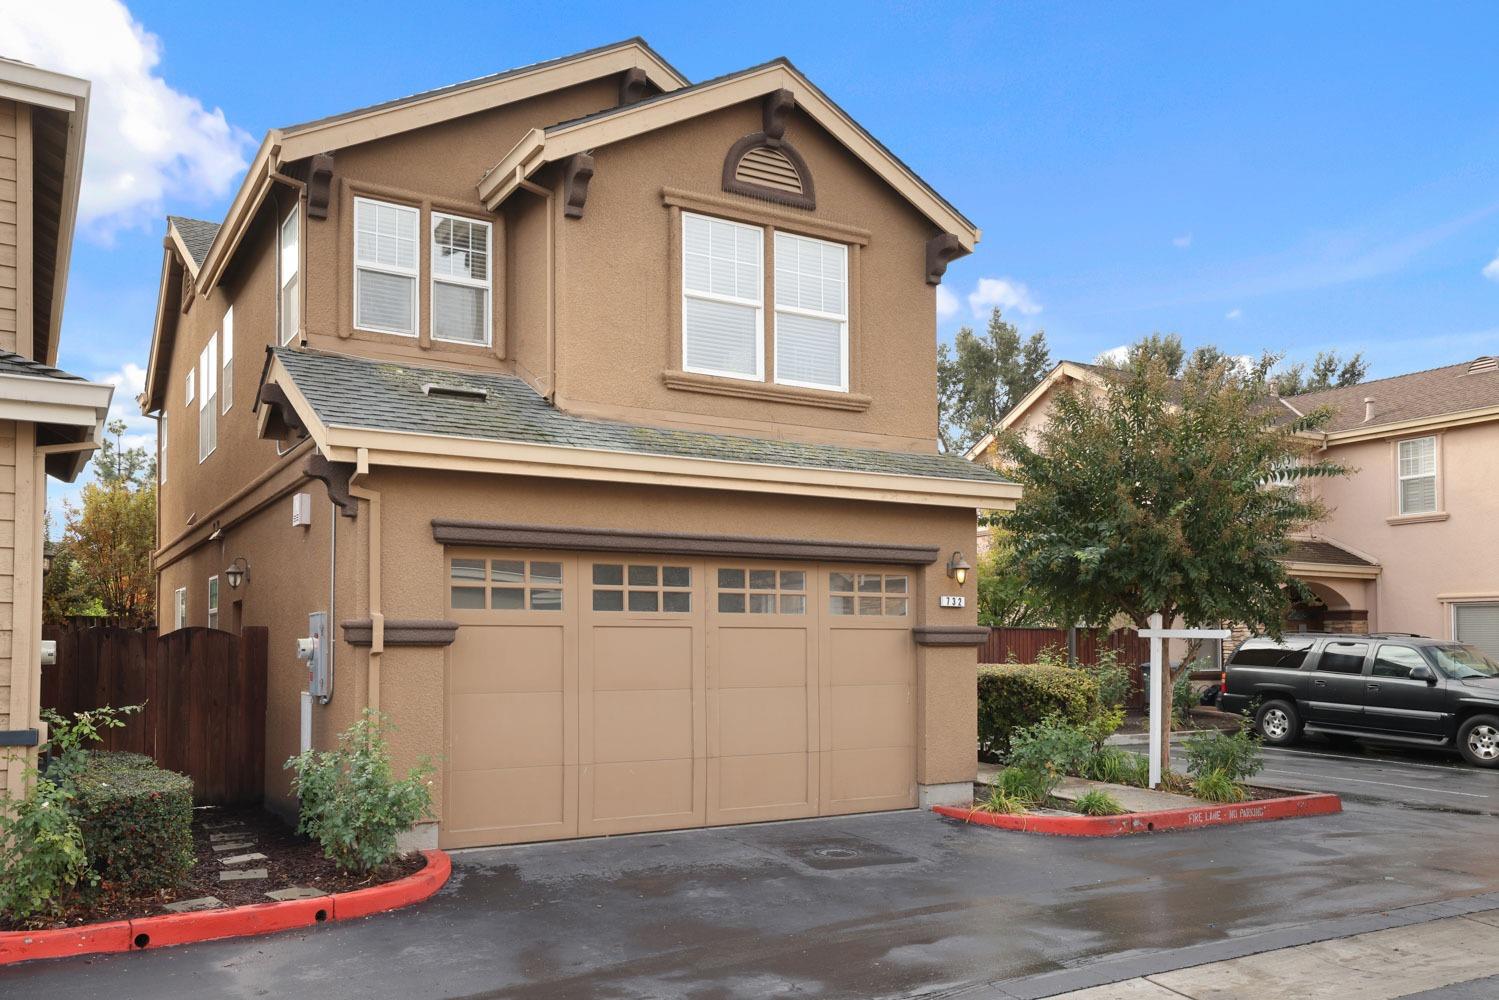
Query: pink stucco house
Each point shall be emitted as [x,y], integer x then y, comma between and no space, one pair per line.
[1411,543]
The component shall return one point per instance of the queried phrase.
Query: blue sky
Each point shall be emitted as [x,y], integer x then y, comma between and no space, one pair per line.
[1292,176]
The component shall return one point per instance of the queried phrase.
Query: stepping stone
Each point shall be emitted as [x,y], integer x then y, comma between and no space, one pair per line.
[201,903]
[242,874]
[295,892]
[219,838]
[233,845]
[240,859]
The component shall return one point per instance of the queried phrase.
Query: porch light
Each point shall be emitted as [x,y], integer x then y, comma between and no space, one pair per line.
[237,573]
[46,558]
[957,568]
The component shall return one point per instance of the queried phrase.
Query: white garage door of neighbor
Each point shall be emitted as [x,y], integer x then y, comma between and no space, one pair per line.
[600,694]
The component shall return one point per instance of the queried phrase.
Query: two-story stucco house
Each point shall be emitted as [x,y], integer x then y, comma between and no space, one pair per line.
[596,409]
[1412,534]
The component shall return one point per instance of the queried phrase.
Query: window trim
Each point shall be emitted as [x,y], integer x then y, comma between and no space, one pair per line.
[436,216]
[213,601]
[293,218]
[226,364]
[162,440]
[415,274]
[179,608]
[190,388]
[1435,475]
[758,304]
[841,319]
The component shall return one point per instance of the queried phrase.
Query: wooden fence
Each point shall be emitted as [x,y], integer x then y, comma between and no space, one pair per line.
[1024,645]
[204,693]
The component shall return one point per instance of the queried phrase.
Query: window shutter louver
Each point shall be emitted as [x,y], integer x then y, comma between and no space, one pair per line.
[1477,624]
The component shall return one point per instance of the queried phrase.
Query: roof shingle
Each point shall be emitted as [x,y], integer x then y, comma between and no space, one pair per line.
[1308,550]
[197,235]
[1435,392]
[15,364]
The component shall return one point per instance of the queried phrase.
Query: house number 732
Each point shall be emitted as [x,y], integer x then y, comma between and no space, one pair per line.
[951,601]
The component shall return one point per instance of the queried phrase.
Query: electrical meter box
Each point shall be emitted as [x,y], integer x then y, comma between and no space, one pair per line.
[314,650]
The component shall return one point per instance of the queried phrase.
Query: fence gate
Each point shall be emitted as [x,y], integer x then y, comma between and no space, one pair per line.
[204,693]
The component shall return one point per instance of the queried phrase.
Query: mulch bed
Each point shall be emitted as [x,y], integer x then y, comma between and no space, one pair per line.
[291,860]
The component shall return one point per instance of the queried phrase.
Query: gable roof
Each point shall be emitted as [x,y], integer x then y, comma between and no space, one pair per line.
[558,142]
[1414,398]
[471,409]
[68,411]
[1320,550]
[195,237]
[1077,370]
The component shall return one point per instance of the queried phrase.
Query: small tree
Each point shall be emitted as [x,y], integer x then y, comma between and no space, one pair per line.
[1004,601]
[108,539]
[1165,495]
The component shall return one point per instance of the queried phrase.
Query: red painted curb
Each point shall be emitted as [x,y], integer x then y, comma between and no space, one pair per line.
[240,921]
[1291,807]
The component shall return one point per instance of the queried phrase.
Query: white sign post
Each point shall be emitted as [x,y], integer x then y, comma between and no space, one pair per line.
[1156,633]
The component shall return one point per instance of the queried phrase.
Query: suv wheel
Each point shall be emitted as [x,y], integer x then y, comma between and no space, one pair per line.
[1277,723]
[1478,739]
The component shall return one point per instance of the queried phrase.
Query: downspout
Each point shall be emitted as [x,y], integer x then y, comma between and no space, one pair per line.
[551,267]
[377,617]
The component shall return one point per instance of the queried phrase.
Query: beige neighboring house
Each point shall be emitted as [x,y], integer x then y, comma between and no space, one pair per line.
[1411,539]
[50,421]
[596,411]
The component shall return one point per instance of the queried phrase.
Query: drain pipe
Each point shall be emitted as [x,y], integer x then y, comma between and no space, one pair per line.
[377,617]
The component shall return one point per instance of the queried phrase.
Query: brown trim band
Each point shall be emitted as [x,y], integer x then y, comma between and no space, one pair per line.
[402,632]
[527,536]
[950,635]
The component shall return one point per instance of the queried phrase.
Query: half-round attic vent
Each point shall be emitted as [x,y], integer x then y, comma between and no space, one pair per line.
[1483,365]
[769,169]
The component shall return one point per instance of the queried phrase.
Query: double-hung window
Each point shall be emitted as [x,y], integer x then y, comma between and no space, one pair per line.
[213,602]
[208,403]
[290,309]
[460,279]
[226,369]
[179,607]
[811,329]
[723,290]
[385,267]
[1418,475]
[161,447]
[189,392]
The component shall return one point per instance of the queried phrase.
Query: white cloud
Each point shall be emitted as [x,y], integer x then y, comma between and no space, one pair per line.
[947,303]
[1007,294]
[1182,242]
[1491,269]
[147,143]
[1115,355]
[1234,314]
[130,382]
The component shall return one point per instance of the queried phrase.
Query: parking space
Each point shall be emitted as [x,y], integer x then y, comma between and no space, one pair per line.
[1410,779]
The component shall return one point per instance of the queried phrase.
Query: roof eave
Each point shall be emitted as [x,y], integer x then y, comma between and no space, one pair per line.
[1414,426]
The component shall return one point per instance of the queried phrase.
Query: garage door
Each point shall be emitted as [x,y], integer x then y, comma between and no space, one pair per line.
[602,694]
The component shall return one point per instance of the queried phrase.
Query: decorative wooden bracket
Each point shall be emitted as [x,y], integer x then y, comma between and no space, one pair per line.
[941,250]
[634,86]
[282,418]
[575,177]
[319,185]
[335,476]
[777,109]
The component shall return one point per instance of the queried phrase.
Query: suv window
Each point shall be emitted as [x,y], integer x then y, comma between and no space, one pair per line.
[1288,655]
[1343,657]
[1396,661]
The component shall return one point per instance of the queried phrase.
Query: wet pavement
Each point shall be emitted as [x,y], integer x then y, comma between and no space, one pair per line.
[891,905]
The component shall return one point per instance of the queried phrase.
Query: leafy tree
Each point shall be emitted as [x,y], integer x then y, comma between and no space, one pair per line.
[1004,602]
[1329,371]
[983,376]
[1162,495]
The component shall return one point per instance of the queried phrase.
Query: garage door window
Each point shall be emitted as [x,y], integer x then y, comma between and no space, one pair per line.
[869,594]
[512,585]
[642,587]
[762,591]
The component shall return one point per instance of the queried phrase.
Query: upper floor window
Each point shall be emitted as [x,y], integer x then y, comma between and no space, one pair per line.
[226,369]
[213,602]
[460,280]
[811,336]
[161,447]
[289,310]
[190,390]
[179,607]
[723,288]
[385,267]
[1417,475]
[208,403]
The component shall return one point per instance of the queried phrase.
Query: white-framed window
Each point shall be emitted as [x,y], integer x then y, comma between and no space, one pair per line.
[723,292]
[385,267]
[190,390]
[208,409]
[811,322]
[213,602]
[226,367]
[289,311]
[179,607]
[1417,474]
[161,447]
[460,280]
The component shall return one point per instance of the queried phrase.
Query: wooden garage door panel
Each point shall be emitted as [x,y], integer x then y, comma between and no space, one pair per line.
[780,782]
[642,657]
[507,730]
[762,721]
[641,725]
[870,656]
[761,657]
[504,805]
[869,716]
[870,779]
[516,658]
[643,791]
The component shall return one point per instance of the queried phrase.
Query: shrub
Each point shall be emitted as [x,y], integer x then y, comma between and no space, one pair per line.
[1051,749]
[1000,801]
[1217,786]
[351,803]
[1113,680]
[1183,699]
[1011,695]
[1024,787]
[1111,764]
[1236,755]
[136,820]
[41,850]
[1098,802]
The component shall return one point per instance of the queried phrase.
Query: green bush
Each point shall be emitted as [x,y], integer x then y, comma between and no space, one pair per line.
[1023,786]
[136,820]
[1183,699]
[1236,755]
[1012,695]
[1051,749]
[1217,786]
[41,851]
[1098,802]
[1113,680]
[351,803]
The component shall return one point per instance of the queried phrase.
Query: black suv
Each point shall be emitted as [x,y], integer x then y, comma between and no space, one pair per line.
[1387,688]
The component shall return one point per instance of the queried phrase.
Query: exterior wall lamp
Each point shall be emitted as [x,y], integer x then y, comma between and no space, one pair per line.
[237,573]
[957,568]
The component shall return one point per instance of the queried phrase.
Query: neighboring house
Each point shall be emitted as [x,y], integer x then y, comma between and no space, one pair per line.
[623,395]
[1409,544]
[50,421]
